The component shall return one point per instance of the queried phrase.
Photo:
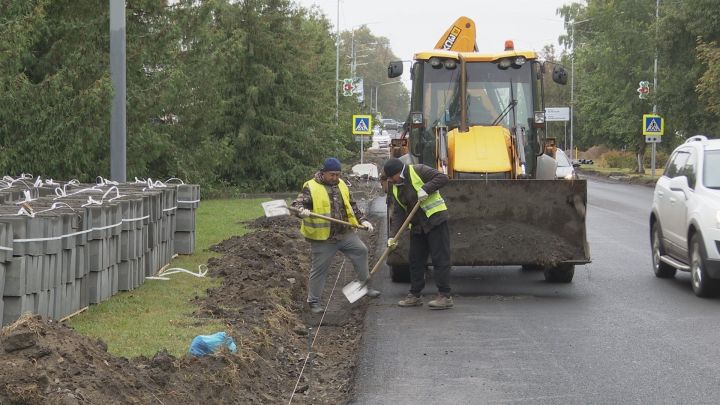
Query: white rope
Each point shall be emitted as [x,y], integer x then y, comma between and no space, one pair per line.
[136,219]
[202,271]
[28,198]
[174,178]
[100,181]
[62,192]
[317,332]
[67,235]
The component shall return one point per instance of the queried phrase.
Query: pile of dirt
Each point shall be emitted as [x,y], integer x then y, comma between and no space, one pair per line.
[283,350]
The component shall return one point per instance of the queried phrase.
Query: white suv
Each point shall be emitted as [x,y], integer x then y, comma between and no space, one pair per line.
[685,218]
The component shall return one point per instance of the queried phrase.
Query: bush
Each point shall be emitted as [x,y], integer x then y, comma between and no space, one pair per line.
[661,158]
[618,160]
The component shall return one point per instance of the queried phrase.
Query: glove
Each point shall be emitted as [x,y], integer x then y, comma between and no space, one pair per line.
[392,243]
[422,194]
[303,213]
[368,226]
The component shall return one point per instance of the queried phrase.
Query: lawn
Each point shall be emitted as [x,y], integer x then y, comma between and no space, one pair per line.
[158,314]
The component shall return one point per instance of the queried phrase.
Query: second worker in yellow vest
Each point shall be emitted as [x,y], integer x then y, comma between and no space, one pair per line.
[327,194]
[429,233]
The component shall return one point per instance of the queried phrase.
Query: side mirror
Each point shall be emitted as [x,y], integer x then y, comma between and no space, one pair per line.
[560,75]
[679,184]
[395,69]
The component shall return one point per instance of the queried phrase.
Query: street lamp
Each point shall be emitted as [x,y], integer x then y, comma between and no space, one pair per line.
[572,82]
[377,90]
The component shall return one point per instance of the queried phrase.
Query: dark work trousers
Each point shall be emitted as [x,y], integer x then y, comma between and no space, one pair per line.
[437,244]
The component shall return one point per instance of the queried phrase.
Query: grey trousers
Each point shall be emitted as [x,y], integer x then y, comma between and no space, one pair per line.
[323,253]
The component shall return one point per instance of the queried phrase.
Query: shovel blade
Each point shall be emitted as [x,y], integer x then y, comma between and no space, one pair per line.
[275,208]
[355,290]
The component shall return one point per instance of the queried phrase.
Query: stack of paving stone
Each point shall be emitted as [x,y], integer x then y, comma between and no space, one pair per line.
[188,198]
[66,245]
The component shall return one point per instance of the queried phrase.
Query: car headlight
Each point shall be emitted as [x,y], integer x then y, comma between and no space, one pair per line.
[569,176]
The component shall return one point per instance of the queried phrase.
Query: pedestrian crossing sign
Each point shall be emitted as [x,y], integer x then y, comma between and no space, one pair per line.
[362,125]
[653,125]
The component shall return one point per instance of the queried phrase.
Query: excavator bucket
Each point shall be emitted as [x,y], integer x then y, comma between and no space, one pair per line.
[513,222]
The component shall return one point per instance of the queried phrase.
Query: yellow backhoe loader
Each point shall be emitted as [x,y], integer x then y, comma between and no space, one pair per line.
[479,118]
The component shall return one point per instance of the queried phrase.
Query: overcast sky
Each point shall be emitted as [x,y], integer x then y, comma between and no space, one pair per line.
[414,25]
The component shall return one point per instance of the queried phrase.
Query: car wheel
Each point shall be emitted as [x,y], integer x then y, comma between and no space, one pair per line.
[400,274]
[702,284]
[562,273]
[661,269]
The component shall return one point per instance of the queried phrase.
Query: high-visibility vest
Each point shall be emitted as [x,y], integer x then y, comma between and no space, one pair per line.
[318,228]
[431,205]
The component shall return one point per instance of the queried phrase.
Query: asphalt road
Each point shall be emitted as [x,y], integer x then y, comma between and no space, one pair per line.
[615,335]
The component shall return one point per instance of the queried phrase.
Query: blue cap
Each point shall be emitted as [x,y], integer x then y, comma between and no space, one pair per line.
[331,165]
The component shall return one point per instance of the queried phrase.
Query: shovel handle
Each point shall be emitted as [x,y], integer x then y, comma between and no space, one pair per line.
[331,219]
[397,236]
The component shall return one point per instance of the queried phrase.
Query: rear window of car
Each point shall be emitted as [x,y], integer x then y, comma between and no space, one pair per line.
[711,170]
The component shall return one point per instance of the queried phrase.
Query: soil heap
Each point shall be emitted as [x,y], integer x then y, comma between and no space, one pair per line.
[262,302]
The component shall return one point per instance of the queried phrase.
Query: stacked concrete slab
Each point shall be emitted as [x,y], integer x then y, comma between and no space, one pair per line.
[188,198]
[65,246]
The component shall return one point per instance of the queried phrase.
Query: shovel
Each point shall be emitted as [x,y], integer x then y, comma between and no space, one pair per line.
[279,208]
[357,289]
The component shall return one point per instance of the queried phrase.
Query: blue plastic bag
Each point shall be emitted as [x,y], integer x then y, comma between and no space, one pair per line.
[207,344]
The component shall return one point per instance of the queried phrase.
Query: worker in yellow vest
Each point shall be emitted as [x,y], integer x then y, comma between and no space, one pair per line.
[429,233]
[326,194]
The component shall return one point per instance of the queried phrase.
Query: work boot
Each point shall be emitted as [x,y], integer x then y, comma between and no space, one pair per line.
[373,293]
[410,301]
[315,307]
[441,302]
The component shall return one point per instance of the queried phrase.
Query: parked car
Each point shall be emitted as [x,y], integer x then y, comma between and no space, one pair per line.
[382,138]
[685,217]
[565,169]
[390,124]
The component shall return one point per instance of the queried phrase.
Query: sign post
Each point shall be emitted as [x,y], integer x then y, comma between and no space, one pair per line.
[362,125]
[653,129]
[559,114]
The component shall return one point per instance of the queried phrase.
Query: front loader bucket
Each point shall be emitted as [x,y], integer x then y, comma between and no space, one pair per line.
[513,222]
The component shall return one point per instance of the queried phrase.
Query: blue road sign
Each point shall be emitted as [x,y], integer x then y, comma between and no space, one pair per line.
[362,124]
[653,125]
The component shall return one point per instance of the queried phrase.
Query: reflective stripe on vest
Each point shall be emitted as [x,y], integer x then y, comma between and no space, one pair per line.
[433,204]
[318,228]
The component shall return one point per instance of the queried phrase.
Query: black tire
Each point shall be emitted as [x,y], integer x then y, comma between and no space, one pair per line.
[702,284]
[400,274]
[661,269]
[562,273]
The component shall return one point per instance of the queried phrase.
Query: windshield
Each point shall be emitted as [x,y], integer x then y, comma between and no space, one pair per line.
[562,159]
[711,172]
[490,91]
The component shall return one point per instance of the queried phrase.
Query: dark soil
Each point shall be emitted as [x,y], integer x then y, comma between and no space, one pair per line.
[262,302]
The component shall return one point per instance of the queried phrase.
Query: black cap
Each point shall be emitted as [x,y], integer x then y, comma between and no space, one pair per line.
[392,167]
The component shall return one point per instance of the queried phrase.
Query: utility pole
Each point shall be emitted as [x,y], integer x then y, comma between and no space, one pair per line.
[572,85]
[118,113]
[655,84]
[337,64]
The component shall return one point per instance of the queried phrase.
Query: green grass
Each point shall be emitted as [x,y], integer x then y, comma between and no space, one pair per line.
[614,171]
[158,314]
